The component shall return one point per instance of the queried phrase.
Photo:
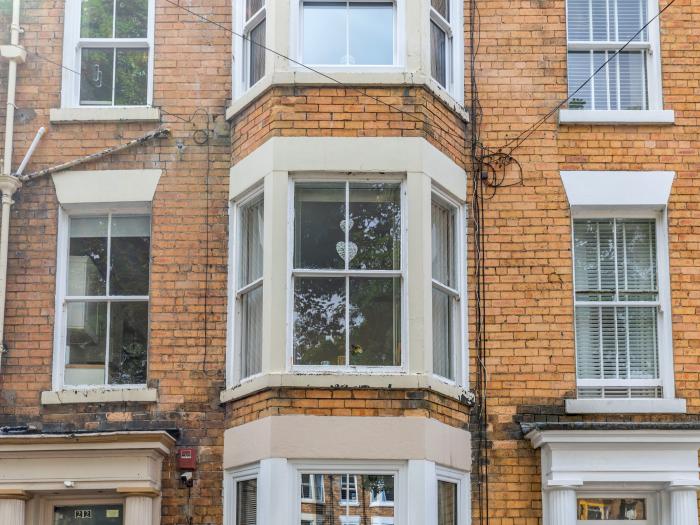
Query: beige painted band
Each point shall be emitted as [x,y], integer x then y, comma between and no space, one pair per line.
[147,492]
[22,495]
[298,437]
[348,154]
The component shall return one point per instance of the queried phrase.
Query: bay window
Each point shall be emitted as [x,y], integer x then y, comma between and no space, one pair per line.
[348,33]
[111,43]
[347,274]
[104,296]
[250,21]
[248,284]
[617,308]
[596,31]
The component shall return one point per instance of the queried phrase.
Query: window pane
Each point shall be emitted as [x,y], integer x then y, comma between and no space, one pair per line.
[616,343]
[246,502]
[130,255]
[112,514]
[438,54]
[86,327]
[87,261]
[131,86]
[443,244]
[371,33]
[447,503]
[579,70]
[96,18]
[257,53]
[578,20]
[631,16]
[442,7]
[636,254]
[132,19]
[251,259]
[128,343]
[594,260]
[319,225]
[319,321]
[250,333]
[375,227]
[375,321]
[354,498]
[96,73]
[443,355]
[252,7]
[381,489]
[325,22]
[632,80]
[599,509]
[600,19]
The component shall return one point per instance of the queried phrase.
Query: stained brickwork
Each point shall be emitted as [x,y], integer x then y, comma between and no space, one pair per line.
[293,111]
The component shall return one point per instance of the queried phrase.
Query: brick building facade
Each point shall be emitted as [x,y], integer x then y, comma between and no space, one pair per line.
[281,282]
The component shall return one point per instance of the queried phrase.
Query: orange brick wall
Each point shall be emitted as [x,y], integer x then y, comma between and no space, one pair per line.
[348,112]
[522,75]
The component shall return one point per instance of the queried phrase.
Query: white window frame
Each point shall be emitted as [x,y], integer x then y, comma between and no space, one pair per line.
[653,88]
[652,506]
[62,259]
[297,36]
[402,274]
[461,479]
[454,34]
[73,44]
[382,520]
[664,314]
[460,337]
[231,480]
[233,372]
[314,495]
[241,47]
[358,468]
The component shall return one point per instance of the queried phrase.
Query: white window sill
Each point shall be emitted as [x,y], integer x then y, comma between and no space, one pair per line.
[582,116]
[104,114]
[340,380]
[625,406]
[99,395]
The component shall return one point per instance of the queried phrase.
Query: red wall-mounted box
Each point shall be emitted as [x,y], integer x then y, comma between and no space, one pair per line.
[186,459]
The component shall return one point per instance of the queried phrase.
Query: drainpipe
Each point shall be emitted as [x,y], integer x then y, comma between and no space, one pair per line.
[8,183]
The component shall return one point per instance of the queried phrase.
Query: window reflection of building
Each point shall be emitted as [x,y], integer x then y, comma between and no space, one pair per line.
[625,509]
[346,498]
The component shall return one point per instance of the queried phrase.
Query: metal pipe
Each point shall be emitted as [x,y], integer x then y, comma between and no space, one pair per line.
[11,91]
[8,183]
[30,151]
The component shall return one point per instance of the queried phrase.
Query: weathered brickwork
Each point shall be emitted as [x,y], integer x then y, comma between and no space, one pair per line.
[292,111]
[531,356]
[367,402]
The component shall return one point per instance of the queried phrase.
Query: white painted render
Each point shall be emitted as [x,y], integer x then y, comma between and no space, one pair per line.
[659,464]
[634,189]
[104,114]
[99,395]
[620,116]
[301,437]
[106,186]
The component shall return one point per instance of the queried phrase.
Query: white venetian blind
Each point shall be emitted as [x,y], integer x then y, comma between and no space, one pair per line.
[247,502]
[616,307]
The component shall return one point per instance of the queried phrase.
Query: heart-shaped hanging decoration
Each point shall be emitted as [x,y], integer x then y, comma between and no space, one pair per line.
[352,250]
